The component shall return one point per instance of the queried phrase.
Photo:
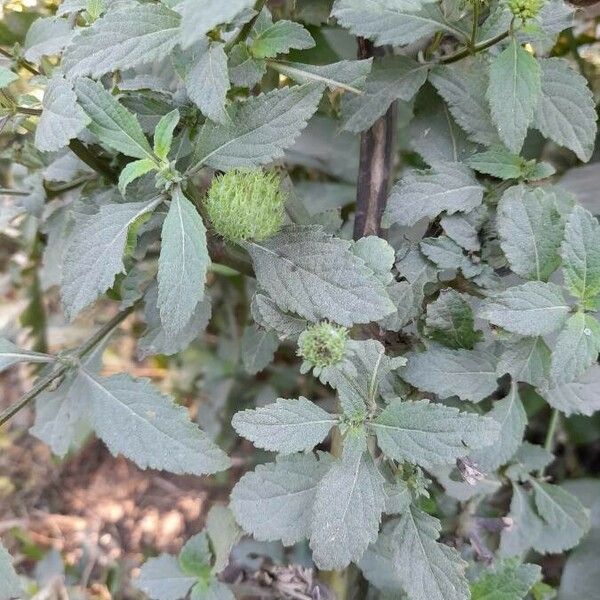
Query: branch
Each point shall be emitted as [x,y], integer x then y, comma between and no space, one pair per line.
[376,157]
[452,58]
[61,368]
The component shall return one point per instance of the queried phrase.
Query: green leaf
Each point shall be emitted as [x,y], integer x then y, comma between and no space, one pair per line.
[464,86]
[394,22]
[182,265]
[162,579]
[498,162]
[347,75]
[280,38]
[348,506]
[464,228]
[11,355]
[427,569]
[62,119]
[530,231]
[95,254]
[47,36]
[566,110]
[258,348]
[378,562]
[513,93]
[133,171]
[392,78]
[581,396]
[274,502]
[450,321]
[342,288]
[446,254]
[268,315]
[580,252]
[7,77]
[216,590]
[224,534]
[430,434]
[199,19]
[11,586]
[532,308]
[136,420]
[195,557]
[163,134]
[468,374]
[576,348]
[525,525]
[510,414]
[447,187]
[114,125]
[526,360]
[507,580]
[287,426]
[565,516]
[123,39]
[259,129]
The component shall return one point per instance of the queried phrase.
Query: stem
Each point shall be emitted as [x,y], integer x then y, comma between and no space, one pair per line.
[452,58]
[475,24]
[375,164]
[61,368]
[20,61]
[25,110]
[549,443]
[6,192]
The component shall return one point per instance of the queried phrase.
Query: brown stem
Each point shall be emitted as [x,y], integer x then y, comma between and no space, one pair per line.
[375,164]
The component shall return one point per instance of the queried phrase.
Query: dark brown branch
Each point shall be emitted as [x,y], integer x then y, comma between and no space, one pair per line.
[375,165]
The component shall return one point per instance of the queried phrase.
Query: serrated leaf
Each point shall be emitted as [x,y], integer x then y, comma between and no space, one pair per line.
[268,315]
[378,255]
[513,93]
[532,308]
[198,19]
[566,518]
[510,414]
[525,524]
[430,434]
[10,354]
[7,77]
[447,187]
[163,134]
[580,252]
[258,348]
[498,162]
[395,22]
[346,75]
[11,586]
[507,580]
[136,420]
[182,265]
[463,86]
[162,579]
[317,276]
[207,82]
[530,231]
[427,569]
[464,228]
[468,374]
[287,426]
[47,36]
[244,69]
[526,360]
[62,119]
[348,506]
[566,111]
[446,254]
[123,39]
[392,78]
[279,38]
[114,125]
[134,170]
[576,348]
[95,255]
[224,534]
[195,557]
[581,396]
[259,129]
[274,502]
[449,320]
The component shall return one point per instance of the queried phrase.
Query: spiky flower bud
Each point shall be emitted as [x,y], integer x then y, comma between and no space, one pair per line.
[525,9]
[246,205]
[323,345]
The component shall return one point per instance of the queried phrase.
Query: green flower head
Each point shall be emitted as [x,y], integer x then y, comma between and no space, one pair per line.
[323,345]
[525,9]
[246,205]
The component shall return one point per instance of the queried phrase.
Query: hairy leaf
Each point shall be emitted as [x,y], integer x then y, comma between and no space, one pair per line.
[581,396]
[224,534]
[11,586]
[526,360]
[10,354]
[162,579]
[507,580]
[279,38]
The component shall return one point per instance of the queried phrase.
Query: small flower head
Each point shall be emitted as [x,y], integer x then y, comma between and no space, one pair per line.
[323,345]
[246,205]
[525,9]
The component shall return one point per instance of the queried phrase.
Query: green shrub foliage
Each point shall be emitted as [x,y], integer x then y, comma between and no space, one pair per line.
[195,162]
